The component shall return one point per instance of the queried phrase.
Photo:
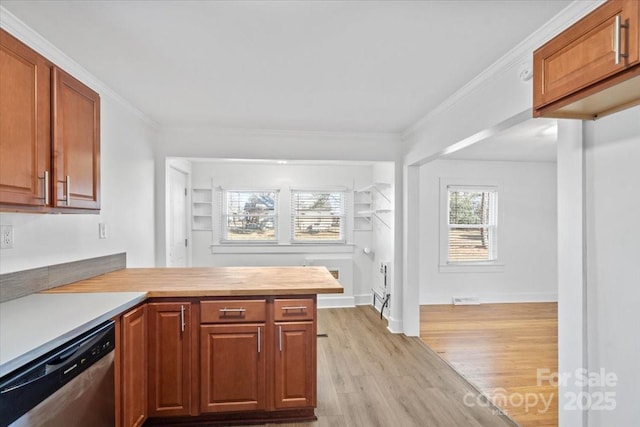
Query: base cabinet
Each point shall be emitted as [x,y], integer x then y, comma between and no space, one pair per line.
[170,358]
[212,361]
[133,368]
[233,368]
[295,365]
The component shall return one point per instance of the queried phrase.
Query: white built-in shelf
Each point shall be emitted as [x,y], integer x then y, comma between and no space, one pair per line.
[202,209]
[364,200]
[362,204]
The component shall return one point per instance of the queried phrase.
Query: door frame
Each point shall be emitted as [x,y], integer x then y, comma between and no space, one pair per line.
[184,167]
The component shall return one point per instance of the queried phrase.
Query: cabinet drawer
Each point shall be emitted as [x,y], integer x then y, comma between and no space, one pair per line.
[293,309]
[233,311]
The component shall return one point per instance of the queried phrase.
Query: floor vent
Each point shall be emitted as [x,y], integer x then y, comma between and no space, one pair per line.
[466,301]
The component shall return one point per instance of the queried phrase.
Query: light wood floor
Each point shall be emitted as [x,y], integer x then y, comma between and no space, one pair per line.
[498,348]
[368,377]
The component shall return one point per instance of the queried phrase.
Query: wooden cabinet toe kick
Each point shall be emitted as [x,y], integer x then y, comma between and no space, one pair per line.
[259,417]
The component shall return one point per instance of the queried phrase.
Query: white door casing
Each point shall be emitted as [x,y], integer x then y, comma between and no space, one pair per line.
[177,218]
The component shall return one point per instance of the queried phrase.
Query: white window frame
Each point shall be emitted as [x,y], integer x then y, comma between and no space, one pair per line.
[494,265]
[224,240]
[342,216]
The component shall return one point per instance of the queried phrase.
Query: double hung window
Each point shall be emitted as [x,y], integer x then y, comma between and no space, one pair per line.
[472,224]
[317,216]
[250,216]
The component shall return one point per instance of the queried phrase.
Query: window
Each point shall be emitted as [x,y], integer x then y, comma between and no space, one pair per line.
[249,216]
[317,216]
[472,224]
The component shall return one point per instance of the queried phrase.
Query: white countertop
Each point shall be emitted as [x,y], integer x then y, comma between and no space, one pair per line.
[33,325]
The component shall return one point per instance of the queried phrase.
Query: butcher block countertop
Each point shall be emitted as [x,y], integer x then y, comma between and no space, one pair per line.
[211,281]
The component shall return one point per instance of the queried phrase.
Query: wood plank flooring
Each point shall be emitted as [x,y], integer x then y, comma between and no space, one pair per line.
[498,348]
[368,377]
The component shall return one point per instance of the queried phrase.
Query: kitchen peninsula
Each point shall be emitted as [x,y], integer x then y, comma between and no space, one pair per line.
[215,344]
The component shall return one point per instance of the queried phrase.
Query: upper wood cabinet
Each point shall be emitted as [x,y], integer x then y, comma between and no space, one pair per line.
[76,143]
[25,124]
[592,68]
[49,135]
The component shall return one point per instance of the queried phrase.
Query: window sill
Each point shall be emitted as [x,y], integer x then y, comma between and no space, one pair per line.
[471,268]
[261,248]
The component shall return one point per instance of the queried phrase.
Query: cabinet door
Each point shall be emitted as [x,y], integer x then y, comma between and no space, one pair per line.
[25,123]
[232,368]
[76,143]
[295,365]
[134,367]
[170,345]
[585,53]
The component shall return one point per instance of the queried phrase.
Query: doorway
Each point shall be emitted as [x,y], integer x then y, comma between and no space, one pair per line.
[178,239]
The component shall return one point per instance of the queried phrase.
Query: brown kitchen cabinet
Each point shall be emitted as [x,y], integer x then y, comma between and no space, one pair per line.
[170,362]
[76,143]
[25,123]
[294,365]
[131,364]
[592,68]
[49,135]
[233,356]
[295,353]
[233,368]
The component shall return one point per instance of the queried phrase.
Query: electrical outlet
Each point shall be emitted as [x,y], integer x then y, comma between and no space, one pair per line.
[6,235]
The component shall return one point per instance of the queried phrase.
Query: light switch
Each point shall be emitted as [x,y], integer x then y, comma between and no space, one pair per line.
[102,230]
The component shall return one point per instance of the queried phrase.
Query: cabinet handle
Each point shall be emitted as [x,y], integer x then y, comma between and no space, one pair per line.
[182,324]
[45,178]
[297,307]
[616,34]
[67,190]
[280,338]
[233,310]
[258,339]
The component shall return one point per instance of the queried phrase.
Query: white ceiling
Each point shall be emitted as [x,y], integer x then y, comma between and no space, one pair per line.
[339,66]
[530,141]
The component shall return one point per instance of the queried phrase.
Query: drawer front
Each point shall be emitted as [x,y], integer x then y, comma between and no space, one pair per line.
[293,309]
[233,311]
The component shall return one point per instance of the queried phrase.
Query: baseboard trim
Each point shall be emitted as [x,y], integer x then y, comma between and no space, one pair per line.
[335,302]
[363,299]
[395,325]
[496,298]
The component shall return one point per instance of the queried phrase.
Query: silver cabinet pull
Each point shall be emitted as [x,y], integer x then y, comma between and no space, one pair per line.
[67,190]
[258,339]
[296,307]
[280,338]
[45,178]
[616,41]
[233,310]
[68,198]
[182,324]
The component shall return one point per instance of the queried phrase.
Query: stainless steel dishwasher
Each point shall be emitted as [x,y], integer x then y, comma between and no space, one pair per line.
[70,386]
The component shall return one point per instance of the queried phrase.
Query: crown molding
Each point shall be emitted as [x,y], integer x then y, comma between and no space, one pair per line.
[37,42]
[520,54]
[288,133]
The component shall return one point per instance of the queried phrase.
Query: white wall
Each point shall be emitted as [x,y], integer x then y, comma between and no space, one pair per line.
[357,282]
[527,235]
[127,183]
[204,142]
[612,209]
